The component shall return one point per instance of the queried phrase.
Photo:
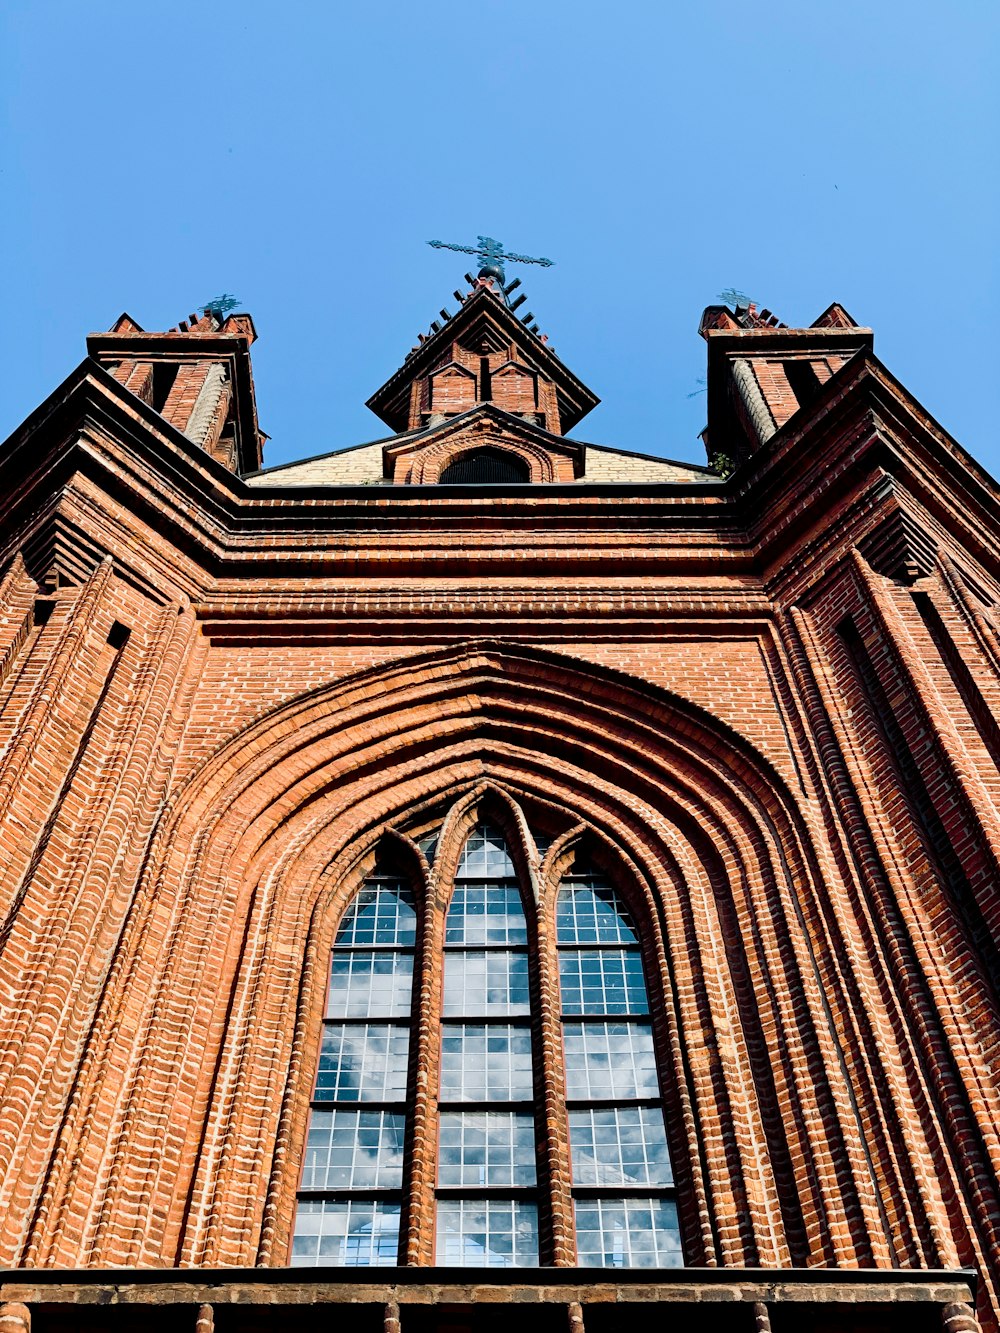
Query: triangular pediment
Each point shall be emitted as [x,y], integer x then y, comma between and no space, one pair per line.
[125,324]
[453,368]
[421,458]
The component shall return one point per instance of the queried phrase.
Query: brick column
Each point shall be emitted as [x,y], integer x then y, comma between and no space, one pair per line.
[913,668]
[390,1320]
[957,1318]
[418,1214]
[550,1094]
[575,1312]
[16,1318]
[205,1323]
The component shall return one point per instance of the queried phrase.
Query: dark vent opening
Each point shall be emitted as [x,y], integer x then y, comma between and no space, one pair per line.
[485,466]
[804,381]
[44,607]
[164,374]
[118,635]
[485,384]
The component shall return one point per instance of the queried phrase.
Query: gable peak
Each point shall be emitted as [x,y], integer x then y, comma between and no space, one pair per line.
[484,335]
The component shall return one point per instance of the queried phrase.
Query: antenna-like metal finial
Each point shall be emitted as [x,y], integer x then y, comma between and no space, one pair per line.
[492,256]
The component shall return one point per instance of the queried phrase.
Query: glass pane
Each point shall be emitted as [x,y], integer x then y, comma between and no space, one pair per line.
[370,985]
[476,1148]
[619,1145]
[485,1063]
[363,1063]
[382,913]
[353,1150]
[602,981]
[498,1233]
[486,914]
[486,983]
[609,1061]
[484,855]
[627,1233]
[588,911]
[351,1232]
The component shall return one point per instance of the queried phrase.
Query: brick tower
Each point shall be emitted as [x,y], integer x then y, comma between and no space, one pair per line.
[483,849]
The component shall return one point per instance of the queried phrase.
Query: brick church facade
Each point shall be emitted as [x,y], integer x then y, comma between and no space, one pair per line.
[485,850]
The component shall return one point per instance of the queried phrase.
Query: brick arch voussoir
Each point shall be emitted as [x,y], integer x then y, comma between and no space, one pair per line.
[275,1230]
[486,800]
[535,793]
[429,464]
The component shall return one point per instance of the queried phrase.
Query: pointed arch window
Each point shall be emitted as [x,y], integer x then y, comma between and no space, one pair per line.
[623,1182]
[487,1210]
[350,1192]
[492,1056]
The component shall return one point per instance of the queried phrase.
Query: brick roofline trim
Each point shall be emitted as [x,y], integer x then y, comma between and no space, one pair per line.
[217,523]
[863,363]
[240,495]
[563,443]
[335,453]
[428,431]
[652,458]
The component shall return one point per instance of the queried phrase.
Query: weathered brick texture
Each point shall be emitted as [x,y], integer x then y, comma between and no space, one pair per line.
[771,702]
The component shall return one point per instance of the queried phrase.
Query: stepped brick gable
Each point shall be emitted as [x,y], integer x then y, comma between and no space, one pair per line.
[630,826]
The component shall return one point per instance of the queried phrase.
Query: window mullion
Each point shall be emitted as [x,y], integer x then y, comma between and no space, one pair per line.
[557,1232]
[416,1224]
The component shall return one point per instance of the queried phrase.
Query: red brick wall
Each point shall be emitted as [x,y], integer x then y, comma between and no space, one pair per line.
[203,739]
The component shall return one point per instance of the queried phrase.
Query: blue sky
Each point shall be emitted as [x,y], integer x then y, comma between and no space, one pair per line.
[301,154]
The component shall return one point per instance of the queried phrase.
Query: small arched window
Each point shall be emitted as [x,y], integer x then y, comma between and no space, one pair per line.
[485,466]
[484,1044]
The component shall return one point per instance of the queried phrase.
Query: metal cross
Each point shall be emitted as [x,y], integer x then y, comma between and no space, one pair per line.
[491,255]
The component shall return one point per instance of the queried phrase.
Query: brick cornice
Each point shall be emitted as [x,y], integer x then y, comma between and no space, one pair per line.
[94,439]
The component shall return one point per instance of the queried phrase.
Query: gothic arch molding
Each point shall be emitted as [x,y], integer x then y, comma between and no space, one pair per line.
[242,903]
